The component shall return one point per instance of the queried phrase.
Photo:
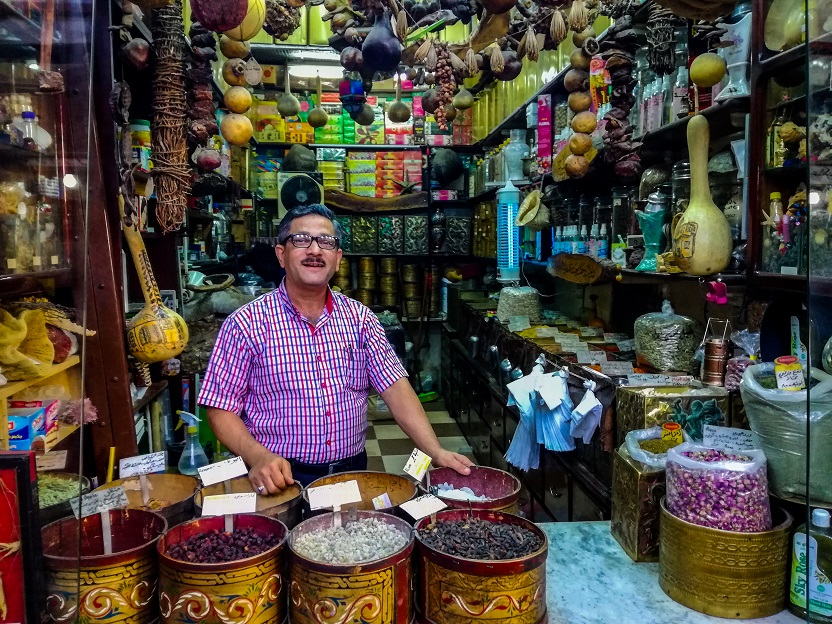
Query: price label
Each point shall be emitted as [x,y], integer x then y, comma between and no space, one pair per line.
[728,438]
[626,345]
[592,331]
[333,496]
[417,464]
[423,506]
[617,369]
[101,500]
[789,373]
[569,340]
[518,323]
[142,464]
[382,502]
[649,379]
[591,357]
[672,433]
[54,460]
[614,337]
[225,504]
[547,332]
[222,471]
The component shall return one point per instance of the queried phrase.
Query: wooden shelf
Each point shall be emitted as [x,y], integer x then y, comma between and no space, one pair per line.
[21,30]
[14,387]
[371,148]
[150,394]
[651,277]
[792,58]
[16,284]
[718,116]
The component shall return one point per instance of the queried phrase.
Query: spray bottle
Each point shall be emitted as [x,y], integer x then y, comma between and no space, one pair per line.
[193,456]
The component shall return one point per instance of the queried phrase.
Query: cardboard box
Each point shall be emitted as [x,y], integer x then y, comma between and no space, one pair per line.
[363,191]
[642,408]
[361,166]
[636,492]
[269,125]
[362,179]
[390,165]
[25,426]
[446,195]
[433,139]
[51,409]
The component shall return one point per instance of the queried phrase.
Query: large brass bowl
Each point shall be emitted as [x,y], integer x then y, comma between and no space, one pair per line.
[725,573]
[286,506]
[371,485]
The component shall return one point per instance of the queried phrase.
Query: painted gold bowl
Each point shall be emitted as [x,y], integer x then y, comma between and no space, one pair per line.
[501,488]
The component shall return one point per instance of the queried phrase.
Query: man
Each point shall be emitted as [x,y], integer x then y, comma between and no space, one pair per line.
[287,384]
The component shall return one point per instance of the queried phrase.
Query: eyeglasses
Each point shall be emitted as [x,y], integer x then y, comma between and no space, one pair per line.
[303,241]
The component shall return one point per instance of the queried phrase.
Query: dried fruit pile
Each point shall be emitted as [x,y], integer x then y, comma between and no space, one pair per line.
[202,124]
[221,547]
[366,539]
[475,538]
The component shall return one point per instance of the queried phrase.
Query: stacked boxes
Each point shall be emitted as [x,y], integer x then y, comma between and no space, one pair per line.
[333,131]
[381,174]
[266,169]
[398,133]
[269,125]
[29,420]
[331,166]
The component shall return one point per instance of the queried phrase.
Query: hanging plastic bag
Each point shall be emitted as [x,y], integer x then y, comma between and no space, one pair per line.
[748,342]
[587,415]
[633,440]
[717,488]
[553,413]
[524,451]
[778,420]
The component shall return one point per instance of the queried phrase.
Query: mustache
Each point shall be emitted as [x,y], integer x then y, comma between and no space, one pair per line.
[315,262]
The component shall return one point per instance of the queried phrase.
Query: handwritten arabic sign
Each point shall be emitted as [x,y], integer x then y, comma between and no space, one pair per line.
[576,268]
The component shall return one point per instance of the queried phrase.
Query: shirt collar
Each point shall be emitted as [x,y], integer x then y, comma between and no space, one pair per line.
[283,295]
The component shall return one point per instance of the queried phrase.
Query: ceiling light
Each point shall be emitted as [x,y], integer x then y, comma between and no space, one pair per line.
[70,181]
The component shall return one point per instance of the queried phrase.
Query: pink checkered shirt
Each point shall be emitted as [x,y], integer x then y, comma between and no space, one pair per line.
[301,389]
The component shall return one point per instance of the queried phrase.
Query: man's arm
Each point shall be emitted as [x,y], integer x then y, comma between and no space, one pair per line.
[410,415]
[267,469]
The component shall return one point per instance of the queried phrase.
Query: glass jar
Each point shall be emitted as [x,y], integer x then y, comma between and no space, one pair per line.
[514,153]
[622,211]
[680,180]
[726,191]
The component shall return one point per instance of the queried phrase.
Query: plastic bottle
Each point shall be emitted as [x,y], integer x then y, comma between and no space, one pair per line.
[811,569]
[193,455]
[557,238]
[775,207]
[602,245]
[25,134]
[679,106]
[583,242]
[592,247]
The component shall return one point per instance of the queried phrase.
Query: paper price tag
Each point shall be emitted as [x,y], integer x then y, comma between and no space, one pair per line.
[626,345]
[592,357]
[518,323]
[423,506]
[649,379]
[223,504]
[142,464]
[614,337]
[728,438]
[569,340]
[547,332]
[54,460]
[788,373]
[334,495]
[382,502]
[222,471]
[592,331]
[617,369]
[417,464]
[672,432]
[102,500]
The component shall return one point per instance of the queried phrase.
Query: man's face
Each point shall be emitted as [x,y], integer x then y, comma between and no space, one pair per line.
[312,266]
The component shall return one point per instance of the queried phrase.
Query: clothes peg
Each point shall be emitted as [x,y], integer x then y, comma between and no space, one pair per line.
[717,292]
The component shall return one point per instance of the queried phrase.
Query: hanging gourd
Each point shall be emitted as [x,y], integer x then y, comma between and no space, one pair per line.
[219,15]
[252,23]
[288,105]
[399,112]
[702,240]
[318,117]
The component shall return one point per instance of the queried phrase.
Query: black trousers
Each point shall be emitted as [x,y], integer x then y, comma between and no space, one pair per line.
[307,473]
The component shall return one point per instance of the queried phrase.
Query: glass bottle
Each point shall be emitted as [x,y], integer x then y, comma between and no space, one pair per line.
[772,237]
[514,153]
[775,148]
[679,105]
[193,456]
[810,584]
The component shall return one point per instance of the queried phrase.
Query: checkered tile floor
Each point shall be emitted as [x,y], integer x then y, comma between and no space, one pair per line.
[388,447]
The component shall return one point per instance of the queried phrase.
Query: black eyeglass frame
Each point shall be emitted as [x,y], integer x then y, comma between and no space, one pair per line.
[316,239]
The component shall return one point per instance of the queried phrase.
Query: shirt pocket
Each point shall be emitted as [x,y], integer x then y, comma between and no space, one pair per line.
[356,377]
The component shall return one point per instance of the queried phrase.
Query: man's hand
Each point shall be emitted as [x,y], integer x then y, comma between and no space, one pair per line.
[457,462]
[270,472]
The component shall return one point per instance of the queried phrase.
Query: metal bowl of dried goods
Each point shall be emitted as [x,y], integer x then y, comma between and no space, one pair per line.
[500,488]
[286,506]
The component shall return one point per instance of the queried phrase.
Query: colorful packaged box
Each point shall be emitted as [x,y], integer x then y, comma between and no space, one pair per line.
[361,166]
[382,193]
[390,234]
[390,165]
[363,191]
[269,125]
[51,408]
[444,195]
[544,133]
[645,407]
[299,132]
[362,179]
[441,139]
[418,111]
[25,426]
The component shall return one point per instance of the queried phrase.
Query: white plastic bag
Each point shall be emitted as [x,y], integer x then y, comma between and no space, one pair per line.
[718,488]
[654,460]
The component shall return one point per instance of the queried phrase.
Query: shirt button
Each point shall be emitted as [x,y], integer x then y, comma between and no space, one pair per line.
[329,413]
[323,384]
[329,442]
[320,359]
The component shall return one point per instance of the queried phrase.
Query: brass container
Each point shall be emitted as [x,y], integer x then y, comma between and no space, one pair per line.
[286,506]
[364,296]
[247,591]
[636,492]
[373,592]
[413,308]
[342,283]
[366,264]
[389,266]
[371,485]
[412,273]
[389,283]
[724,573]
[367,281]
[117,588]
[501,488]
[453,590]
[64,508]
[171,495]
[343,268]
[412,291]
[388,300]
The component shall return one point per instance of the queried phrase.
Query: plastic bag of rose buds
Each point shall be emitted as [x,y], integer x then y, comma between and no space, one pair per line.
[718,488]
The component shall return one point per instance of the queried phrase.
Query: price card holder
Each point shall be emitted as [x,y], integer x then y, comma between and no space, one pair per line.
[423,506]
[728,438]
[222,471]
[53,460]
[518,323]
[336,494]
[382,502]
[106,531]
[672,433]
[417,465]
[101,502]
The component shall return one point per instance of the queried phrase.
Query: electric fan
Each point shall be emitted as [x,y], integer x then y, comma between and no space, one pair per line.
[297,189]
[508,234]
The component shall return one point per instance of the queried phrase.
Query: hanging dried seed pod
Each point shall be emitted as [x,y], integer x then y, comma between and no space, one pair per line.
[532,46]
[578,16]
[401,26]
[471,62]
[430,60]
[498,63]
[521,48]
[558,29]
[458,65]
[422,51]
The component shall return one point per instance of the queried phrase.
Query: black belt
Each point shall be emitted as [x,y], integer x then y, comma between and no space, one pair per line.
[356,462]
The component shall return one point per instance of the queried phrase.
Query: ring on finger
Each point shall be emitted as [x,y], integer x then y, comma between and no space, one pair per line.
[260,489]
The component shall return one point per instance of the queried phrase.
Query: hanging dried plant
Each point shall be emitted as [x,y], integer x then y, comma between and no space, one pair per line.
[578,16]
[529,45]
[430,60]
[558,29]
[458,65]
[498,62]
[471,62]
[401,26]
[422,51]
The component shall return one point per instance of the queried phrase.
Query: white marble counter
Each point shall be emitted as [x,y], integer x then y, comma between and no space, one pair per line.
[591,580]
